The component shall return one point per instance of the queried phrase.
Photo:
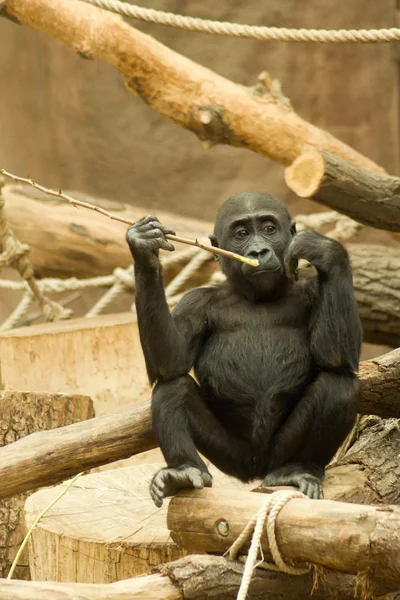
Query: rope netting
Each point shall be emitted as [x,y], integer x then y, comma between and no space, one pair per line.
[281,34]
[14,254]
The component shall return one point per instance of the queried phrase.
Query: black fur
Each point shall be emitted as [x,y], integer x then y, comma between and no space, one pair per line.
[274,357]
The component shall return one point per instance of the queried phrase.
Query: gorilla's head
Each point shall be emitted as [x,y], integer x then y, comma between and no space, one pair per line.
[260,227]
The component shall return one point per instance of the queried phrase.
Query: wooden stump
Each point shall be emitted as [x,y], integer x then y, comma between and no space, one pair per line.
[100,356]
[106,528]
[20,415]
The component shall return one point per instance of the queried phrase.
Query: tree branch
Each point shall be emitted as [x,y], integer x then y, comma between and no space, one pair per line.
[217,110]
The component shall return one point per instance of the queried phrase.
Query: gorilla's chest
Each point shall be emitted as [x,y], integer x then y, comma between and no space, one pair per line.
[252,349]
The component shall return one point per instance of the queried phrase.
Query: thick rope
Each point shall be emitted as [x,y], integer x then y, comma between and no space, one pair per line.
[268,512]
[281,34]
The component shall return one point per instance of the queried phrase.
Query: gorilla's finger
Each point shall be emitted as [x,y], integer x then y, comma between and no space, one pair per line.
[165,245]
[207,479]
[196,480]
[291,263]
[167,230]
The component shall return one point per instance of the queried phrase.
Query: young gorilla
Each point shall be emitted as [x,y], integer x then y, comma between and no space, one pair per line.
[275,358]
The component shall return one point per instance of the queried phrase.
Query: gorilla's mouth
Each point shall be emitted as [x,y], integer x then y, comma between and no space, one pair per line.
[264,270]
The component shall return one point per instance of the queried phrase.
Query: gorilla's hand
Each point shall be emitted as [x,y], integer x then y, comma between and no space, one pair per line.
[322,252]
[168,482]
[146,237]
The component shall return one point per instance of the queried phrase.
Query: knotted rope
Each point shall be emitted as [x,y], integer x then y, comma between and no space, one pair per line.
[268,513]
[14,255]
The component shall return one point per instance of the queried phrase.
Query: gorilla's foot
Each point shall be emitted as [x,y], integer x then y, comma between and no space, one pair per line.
[298,475]
[168,482]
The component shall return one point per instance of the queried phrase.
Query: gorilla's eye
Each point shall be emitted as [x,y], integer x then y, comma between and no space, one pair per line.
[241,233]
[269,228]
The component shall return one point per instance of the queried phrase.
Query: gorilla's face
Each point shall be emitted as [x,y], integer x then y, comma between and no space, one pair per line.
[257,226]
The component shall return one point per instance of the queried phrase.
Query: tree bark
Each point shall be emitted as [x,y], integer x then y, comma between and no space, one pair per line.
[369,472]
[48,457]
[20,415]
[215,109]
[376,280]
[350,538]
[370,198]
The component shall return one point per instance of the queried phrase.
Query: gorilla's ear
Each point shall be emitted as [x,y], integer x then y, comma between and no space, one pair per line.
[293,230]
[214,242]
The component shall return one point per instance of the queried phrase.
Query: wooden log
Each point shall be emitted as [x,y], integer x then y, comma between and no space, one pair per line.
[215,109]
[195,578]
[22,413]
[49,457]
[366,196]
[87,244]
[376,279]
[350,538]
[380,385]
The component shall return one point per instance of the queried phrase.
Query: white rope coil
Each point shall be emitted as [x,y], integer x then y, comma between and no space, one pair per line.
[281,34]
[268,512]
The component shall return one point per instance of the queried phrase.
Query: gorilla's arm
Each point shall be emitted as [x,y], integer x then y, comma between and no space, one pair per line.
[170,342]
[335,328]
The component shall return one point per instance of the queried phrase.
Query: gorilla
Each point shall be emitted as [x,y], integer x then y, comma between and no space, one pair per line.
[274,354]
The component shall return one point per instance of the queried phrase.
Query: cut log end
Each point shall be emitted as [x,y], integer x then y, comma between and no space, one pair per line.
[305,174]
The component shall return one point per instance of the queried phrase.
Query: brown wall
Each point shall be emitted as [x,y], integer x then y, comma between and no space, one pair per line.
[70,122]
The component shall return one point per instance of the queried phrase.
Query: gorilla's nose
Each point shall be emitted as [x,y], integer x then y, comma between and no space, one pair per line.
[259,254]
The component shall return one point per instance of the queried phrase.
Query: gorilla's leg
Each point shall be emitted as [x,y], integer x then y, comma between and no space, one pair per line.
[183,423]
[313,432]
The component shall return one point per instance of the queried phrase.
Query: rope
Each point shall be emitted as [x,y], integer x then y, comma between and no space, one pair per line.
[190,269]
[281,34]
[269,512]
[14,255]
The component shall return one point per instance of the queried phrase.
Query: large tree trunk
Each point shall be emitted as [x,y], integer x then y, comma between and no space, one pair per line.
[214,108]
[22,414]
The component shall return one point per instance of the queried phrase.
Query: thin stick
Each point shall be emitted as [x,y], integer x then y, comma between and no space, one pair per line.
[36,521]
[106,213]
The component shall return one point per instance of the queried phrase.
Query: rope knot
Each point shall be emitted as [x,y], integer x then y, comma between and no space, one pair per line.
[13,251]
[53,311]
[268,514]
[125,276]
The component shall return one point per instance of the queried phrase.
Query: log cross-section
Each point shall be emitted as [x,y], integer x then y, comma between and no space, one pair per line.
[370,198]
